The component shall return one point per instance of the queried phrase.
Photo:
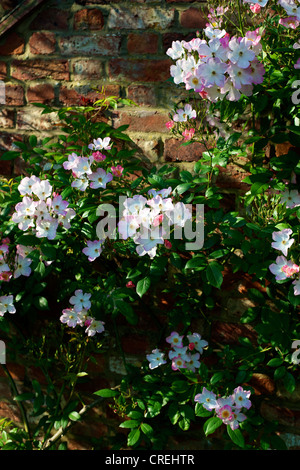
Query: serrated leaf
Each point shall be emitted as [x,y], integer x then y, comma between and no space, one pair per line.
[106,393]
[236,436]
[142,286]
[211,425]
[133,423]
[133,437]
[147,429]
[214,274]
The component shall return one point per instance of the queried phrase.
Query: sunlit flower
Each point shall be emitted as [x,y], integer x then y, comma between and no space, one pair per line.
[282,241]
[156,358]
[241,398]
[6,304]
[175,339]
[80,300]
[93,249]
[207,399]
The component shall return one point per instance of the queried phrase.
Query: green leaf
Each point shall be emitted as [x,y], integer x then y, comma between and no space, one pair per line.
[147,429]
[182,188]
[214,274]
[133,423]
[275,362]
[33,140]
[135,414]
[24,396]
[211,425]
[180,386]
[133,437]
[142,286]
[201,412]
[236,436]
[289,382]
[106,393]
[28,240]
[74,416]
[197,262]
[41,303]
[217,377]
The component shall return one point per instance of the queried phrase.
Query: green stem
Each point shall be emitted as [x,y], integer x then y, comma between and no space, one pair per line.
[20,404]
[63,431]
[240,18]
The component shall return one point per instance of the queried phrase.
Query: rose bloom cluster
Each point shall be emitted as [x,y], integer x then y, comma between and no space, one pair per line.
[224,66]
[181,356]
[41,210]
[13,264]
[147,221]
[78,314]
[283,268]
[83,170]
[219,65]
[228,408]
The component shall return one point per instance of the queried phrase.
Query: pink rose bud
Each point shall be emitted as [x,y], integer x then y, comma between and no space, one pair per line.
[117,170]
[130,284]
[290,270]
[188,134]
[255,8]
[168,244]
[169,124]
[98,156]
[191,346]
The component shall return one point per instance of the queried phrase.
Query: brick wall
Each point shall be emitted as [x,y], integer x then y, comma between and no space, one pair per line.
[62,49]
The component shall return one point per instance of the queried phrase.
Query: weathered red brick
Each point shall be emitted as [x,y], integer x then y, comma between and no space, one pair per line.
[42,43]
[142,43]
[229,333]
[137,17]
[90,45]
[13,44]
[35,69]
[87,69]
[142,95]
[140,70]
[14,95]
[72,96]
[193,18]
[52,19]
[31,119]
[42,93]
[174,152]
[147,121]
[231,177]
[90,19]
